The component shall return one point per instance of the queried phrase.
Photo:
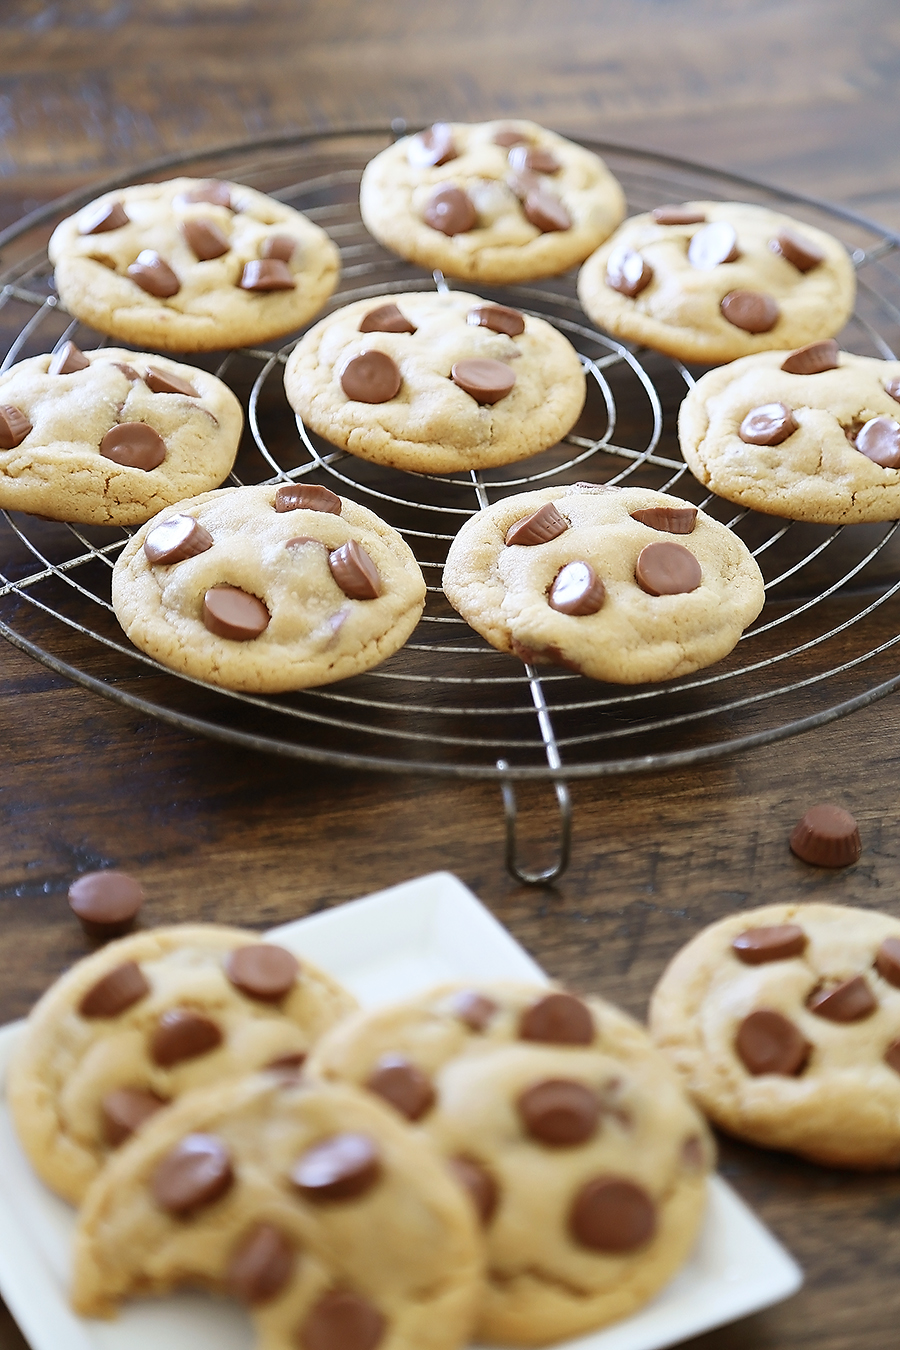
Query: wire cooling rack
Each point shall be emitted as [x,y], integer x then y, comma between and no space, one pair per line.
[447,703]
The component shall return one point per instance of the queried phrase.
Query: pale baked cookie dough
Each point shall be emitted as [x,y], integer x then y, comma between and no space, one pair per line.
[198,244]
[675,305]
[583,1156]
[113,436]
[505,195]
[568,592]
[310,594]
[315,1205]
[811,464]
[432,424]
[784,1023]
[145,1020]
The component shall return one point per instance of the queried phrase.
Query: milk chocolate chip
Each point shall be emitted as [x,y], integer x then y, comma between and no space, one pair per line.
[767,1042]
[342,1320]
[799,250]
[116,991]
[879,440]
[267,274]
[539,527]
[196,1172]
[106,902]
[485,379]
[545,211]
[849,1001]
[677,215]
[533,159]
[154,275]
[559,1112]
[67,360]
[214,191]
[124,1110]
[14,426]
[558,1019]
[670,519]
[813,358]
[612,1214]
[307,497]
[260,1265]
[204,238]
[893,388]
[355,572]
[499,318]
[449,210]
[769,424]
[576,590]
[473,1009]
[892,1056]
[431,147]
[386,319]
[508,136]
[752,311]
[339,1168]
[134,445]
[627,272]
[163,382]
[777,942]
[175,539]
[280,246]
[262,970]
[103,217]
[667,569]
[887,961]
[182,1034]
[477,1181]
[232,613]
[371,377]
[826,836]
[714,244]
[402,1084]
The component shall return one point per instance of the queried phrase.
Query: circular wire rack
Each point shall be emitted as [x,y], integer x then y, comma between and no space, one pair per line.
[448,703]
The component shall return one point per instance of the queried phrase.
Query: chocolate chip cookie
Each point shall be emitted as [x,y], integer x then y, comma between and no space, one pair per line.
[136,1025]
[784,1023]
[192,265]
[436,383]
[582,1157]
[712,281]
[268,588]
[490,201]
[110,437]
[621,584]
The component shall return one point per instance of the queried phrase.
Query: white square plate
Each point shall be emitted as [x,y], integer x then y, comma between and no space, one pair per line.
[383,947]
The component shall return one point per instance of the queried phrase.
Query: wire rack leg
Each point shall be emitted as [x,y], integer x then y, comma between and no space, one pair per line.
[511,810]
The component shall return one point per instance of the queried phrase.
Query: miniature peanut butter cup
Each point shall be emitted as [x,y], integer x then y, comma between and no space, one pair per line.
[813,358]
[154,275]
[204,238]
[557,1019]
[342,1320]
[576,590]
[768,1042]
[752,311]
[214,191]
[260,1265]
[431,147]
[627,272]
[280,246]
[195,1173]
[539,527]
[677,215]
[267,274]
[797,249]
[612,1214]
[339,1168]
[667,569]
[776,942]
[371,377]
[669,519]
[559,1112]
[450,210]
[107,903]
[499,318]
[176,539]
[769,424]
[879,440]
[716,243]
[386,319]
[124,1110]
[115,992]
[473,1009]
[477,1181]
[849,1001]
[67,360]
[355,572]
[533,159]
[887,961]
[14,427]
[545,211]
[163,382]
[103,217]
[307,497]
[134,445]
[232,613]
[403,1084]
[826,836]
[263,971]
[182,1034]
[485,379]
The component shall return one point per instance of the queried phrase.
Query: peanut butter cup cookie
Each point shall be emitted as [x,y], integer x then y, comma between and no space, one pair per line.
[490,201]
[712,281]
[192,265]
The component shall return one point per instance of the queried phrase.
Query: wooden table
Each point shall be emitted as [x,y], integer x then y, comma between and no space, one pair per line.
[800,93]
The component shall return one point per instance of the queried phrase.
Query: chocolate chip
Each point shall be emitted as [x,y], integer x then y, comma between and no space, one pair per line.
[164,382]
[769,424]
[196,1172]
[295,1059]
[752,311]
[67,360]
[402,1084]
[879,440]
[826,836]
[431,147]
[280,246]
[849,1001]
[307,497]
[134,445]
[714,244]
[485,379]
[693,1154]
[116,991]
[473,1009]
[508,136]
[124,1110]
[777,942]
[182,1034]
[612,1214]
[260,1265]
[523,183]
[386,319]
[767,1042]
[214,191]
[667,569]
[533,159]
[892,1056]
[813,358]
[102,217]
[481,1187]
[576,590]
[449,210]
[340,1168]
[887,961]
[545,211]
[262,970]
[799,250]
[677,215]
[341,1320]
[128,371]
[893,388]
[559,1112]
[106,902]
[204,238]
[154,275]
[539,527]
[670,519]
[14,427]
[175,539]
[355,572]
[232,613]
[371,377]
[267,274]
[558,1019]
[499,318]
[627,272]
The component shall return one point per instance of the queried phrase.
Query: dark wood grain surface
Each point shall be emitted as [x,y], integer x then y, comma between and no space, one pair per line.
[801,93]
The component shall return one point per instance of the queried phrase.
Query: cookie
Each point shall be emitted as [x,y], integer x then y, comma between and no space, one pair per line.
[621,584]
[436,383]
[314,1205]
[784,1023]
[144,1020]
[583,1158]
[490,201]
[811,435]
[110,437]
[712,281]
[192,265]
[268,588]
